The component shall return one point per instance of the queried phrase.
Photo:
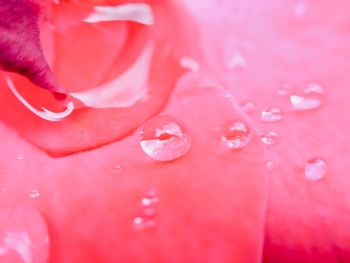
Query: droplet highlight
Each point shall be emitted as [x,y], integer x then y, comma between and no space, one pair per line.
[270,138]
[236,134]
[163,138]
[272,114]
[315,169]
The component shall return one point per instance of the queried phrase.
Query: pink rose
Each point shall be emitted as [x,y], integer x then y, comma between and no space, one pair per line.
[242,96]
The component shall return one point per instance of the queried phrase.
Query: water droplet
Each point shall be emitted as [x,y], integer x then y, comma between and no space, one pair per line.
[248,107]
[236,134]
[315,169]
[20,157]
[143,223]
[117,169]
[269,165]
[313,88]
[311,98]
[270,138]
[237,61]
[164,139]
[273,114]
[149,199]
[34,194]
[189,63]
[305,103]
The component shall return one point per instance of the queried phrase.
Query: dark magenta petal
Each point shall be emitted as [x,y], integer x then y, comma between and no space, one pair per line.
[20,49]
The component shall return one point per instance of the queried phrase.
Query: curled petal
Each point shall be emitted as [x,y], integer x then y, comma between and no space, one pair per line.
[124,91]
[45,114]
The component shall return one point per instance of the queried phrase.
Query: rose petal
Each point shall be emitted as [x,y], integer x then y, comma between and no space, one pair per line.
[211,203]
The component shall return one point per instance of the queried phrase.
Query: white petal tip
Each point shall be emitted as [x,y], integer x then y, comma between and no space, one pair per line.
[135,12]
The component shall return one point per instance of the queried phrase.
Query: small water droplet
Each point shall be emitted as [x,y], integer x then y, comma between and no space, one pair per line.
[248,107]
[236,134]
[20,157]
[272,114]
[189,63]
[313,88]
[34,194]
[270,138]
[149,199]
[165,139]
[237,61]
[147,216]
[315,169]
[143,223]
[269,165]
[117,169]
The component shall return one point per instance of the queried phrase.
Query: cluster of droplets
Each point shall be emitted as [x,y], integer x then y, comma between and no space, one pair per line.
[146,219]
[308,97]
[164,138]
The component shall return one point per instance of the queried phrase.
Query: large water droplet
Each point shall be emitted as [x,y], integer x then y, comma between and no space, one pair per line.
[248,107]
[311,98]
[270,138]
[304,103]
[272,114]
[315,169]
[236,134]
[165,139]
